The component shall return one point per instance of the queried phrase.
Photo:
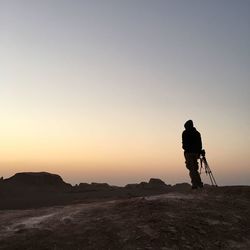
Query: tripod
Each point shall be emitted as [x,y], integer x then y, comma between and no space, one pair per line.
[208,171]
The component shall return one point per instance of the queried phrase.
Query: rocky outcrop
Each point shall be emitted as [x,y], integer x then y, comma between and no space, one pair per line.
[153,184]
[35,179]
[86,187]
[157,183]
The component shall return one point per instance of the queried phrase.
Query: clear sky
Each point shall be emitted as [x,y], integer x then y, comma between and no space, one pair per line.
[100,90]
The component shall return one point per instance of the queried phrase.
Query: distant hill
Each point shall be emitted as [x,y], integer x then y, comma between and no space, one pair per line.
[35,179]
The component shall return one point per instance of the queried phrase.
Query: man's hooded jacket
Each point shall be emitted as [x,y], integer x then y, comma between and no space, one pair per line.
[191,138]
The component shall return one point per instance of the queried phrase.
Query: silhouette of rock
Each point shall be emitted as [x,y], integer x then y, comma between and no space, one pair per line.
[82,187]
[34,189]
[132,186]
[157,183]
[154,183]
[36,179]
[102,186]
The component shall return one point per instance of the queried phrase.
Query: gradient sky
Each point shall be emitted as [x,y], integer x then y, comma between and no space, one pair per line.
[100,90]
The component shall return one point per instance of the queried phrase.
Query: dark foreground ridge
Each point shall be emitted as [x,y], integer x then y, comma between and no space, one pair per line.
[150,215]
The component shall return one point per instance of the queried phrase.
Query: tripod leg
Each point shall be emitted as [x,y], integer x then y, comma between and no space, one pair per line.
[212,179]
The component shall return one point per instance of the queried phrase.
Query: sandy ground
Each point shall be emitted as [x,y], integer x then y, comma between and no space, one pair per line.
[218,219]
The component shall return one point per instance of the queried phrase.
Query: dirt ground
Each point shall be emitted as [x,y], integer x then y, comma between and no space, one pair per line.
[216,218]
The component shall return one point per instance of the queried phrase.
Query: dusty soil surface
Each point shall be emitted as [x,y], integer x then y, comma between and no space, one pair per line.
[216,218]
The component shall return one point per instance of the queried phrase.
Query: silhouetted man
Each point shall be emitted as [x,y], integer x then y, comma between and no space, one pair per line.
[192,145]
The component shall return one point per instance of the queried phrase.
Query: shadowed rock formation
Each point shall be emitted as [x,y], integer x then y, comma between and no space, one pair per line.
[36,179]
[83,187]
[153,183]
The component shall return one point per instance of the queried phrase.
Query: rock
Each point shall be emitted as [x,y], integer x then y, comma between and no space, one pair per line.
[132,186]
[84,187]
[37,179]
[100,185]
[156,182]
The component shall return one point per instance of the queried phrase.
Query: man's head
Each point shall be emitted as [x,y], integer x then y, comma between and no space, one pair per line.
[189,124]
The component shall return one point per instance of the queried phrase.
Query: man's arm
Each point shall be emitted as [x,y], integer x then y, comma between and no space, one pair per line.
[199,141]
[184,146]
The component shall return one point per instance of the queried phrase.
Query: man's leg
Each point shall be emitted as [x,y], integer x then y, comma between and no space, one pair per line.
[192,165]
[196,179]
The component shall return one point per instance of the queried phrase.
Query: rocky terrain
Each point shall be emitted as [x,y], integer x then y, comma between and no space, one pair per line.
[33,190]
[138,218]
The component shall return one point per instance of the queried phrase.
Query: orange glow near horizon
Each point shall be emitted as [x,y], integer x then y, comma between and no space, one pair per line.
[114,158]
